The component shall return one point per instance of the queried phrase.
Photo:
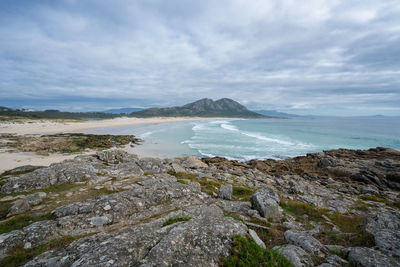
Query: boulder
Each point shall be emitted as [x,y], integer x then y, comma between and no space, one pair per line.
[307,242]
[266,203]
[177,168]
[368,257]
[225,192]
[296,255]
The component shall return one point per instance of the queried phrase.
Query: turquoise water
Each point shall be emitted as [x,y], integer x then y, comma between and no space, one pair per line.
[245,139]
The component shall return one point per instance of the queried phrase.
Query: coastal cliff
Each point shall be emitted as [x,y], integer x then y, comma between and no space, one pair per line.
[113,208]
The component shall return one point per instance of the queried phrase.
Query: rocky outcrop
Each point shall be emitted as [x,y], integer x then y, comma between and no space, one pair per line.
[124,210]
[200,241]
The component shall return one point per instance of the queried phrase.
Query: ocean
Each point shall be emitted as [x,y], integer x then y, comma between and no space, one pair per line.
[245,139]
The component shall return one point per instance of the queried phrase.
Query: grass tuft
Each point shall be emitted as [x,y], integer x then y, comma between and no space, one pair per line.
[176,219]
[241,192]
[21,221]
[245,252]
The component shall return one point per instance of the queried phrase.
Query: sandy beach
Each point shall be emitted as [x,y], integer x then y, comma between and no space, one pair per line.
[12,160]
[52,127]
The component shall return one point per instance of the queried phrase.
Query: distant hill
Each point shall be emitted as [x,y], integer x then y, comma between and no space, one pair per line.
[54,114]
[275,113]
[122,110]
[205,107]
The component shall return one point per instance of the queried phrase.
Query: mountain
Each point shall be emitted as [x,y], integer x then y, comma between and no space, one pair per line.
[275,113]
[122,110]
[205,107]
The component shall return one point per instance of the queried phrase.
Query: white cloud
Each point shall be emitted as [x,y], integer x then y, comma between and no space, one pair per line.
[260,52]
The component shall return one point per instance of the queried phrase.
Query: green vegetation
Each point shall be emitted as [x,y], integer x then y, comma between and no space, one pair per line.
[373,198]
[298,209]
[357,239]
[242,192]
[20,256]
[6,113]
[395,204]
[353,234]
[79,142]
[182,181]
[21,221]
[176,219]
[338,252]
[245,252]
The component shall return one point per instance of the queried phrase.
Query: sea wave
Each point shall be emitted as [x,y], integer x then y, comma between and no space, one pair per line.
[146,134]
[229,127]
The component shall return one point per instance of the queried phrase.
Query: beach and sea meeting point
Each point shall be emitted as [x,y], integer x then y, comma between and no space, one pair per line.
[209,133]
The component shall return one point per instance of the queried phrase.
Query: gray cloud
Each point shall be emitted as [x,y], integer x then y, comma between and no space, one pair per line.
[300,56]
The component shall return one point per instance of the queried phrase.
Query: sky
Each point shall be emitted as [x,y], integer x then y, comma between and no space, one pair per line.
[298,56]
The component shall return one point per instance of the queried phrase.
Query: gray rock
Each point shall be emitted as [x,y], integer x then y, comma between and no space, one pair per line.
[256,239]
[334,261]
[266,203]
[40,232]
[296,255]
[151,165]
[234,206]
[9,240]
[99,220]
[370,190]
[388,241]
[177,168]
[368,257]
[385,227]
[35,198]
[382,221]
[19,206]
[201,241]
[307,242]
[225,192]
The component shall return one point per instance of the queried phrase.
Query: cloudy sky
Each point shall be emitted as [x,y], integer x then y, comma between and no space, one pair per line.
[306,57]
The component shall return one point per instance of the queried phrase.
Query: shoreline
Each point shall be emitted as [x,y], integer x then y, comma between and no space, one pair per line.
[51,127]
[11,160]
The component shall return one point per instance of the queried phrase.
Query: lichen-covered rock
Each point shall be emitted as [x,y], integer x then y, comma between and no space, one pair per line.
[334,261]
[296,255]
[368,257]
[225,192]
[382,221]
[9,240]
[201,241]
[35,234]
[152,165]
[19,206]
[266,203]
[385,227]
[35,198]
[153,191]
[307,242]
